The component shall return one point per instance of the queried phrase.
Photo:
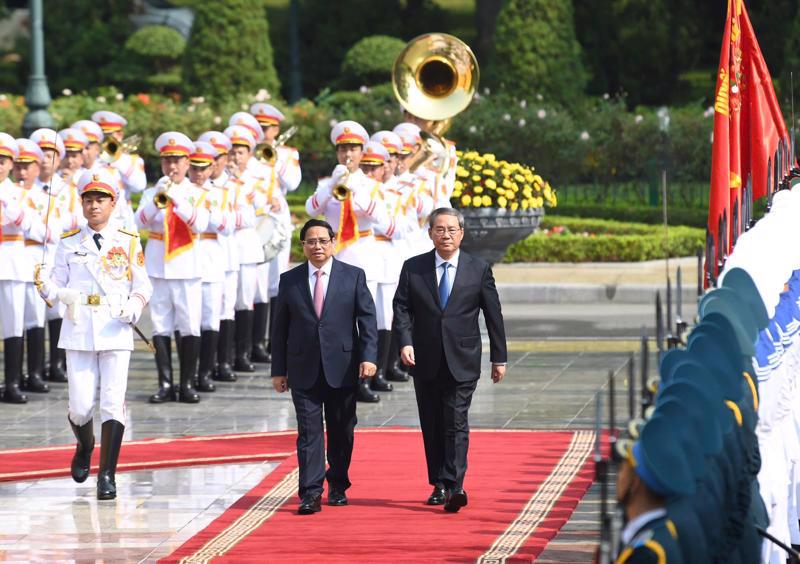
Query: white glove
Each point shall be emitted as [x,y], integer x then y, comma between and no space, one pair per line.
[338,172]
[130,312]
[11,210]
[68,296]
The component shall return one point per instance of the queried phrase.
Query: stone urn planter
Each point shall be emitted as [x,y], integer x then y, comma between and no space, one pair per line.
[488,232]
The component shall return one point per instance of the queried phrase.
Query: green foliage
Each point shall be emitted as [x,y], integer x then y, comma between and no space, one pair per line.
[603,241]
[229,50]
[82,37]
[370,61]
[328,29]
[535,50]
[157,42]
[692,217]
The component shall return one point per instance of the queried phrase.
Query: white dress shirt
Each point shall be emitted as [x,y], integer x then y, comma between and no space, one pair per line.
[326,277]
[635,524]
[451,271]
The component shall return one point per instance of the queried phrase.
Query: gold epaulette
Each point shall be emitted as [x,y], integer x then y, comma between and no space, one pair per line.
[130,233]
[70,233]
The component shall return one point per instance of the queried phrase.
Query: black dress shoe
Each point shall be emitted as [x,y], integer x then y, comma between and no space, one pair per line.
[310,504]
[364,394]
[456,499]
[379,384]
[337,498]
[437,496]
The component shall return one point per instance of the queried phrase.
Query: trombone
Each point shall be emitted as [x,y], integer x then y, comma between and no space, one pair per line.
[161,198]
[434,78]
[268,153]
[114,149]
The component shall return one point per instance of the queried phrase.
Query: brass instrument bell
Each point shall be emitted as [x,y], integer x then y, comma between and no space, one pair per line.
[161,198]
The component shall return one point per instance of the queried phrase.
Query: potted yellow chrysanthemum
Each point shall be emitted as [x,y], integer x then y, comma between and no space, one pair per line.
[502,202]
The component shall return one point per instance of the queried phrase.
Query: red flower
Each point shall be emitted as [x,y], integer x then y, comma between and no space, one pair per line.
[143,98]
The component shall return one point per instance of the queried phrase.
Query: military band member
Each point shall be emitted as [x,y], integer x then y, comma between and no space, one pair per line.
[99,274]
[75,143]
[346,200]
[440,184]
[287,169]
[212,255]
[173,211]
[221,179]
[65,207]
[26,170]
[18,223]
[418,200]
[247,199]
[129,165]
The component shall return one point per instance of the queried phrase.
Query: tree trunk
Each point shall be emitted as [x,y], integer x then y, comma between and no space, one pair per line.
[485,17]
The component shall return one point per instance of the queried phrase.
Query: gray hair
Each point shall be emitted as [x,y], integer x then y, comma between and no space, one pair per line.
[446,211]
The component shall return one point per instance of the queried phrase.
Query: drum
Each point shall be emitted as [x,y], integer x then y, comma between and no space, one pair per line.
[273,234]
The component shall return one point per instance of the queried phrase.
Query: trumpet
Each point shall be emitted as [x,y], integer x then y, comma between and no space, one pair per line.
[161,199]
[342,191]
[114,149]
[268,153]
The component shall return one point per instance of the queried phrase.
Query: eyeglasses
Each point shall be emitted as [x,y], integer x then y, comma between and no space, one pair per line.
[314,242]
[440,231]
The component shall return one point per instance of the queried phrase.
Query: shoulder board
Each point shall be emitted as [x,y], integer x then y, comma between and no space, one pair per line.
[642,538]
[126,232]
[70,233]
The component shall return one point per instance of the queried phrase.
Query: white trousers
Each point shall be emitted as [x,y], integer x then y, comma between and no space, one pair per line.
[176,305]
[12,308]
[86,370]
[383,305]
[212,306]
[246,292]
[278,266]
[55,312]
[262,283]
[34,307]
[229,291]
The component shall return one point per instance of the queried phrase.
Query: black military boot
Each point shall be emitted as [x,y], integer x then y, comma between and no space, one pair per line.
[58,357]
[166,389]
[208,352]
[81,460]
[189,353]
[364,394]
[12,365]
[378,383]
[35,382]
[224,371]
[244,341]
[394,368]
[260,319]
[110,444]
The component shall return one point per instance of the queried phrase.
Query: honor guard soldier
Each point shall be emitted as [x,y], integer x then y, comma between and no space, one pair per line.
[75,143]
[418,203]
[247,199]
[129,165]
[346,200]
[266,182]
[65,208]
[26,170]
[212,254]
[18,223]
[173,211]
[394,370]
[92,161]
[440,184]
[221,179]
[99,274]
[391,254]
[286,165]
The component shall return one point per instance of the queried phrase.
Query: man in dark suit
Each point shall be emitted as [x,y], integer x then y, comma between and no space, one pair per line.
[324,338]
[436,318]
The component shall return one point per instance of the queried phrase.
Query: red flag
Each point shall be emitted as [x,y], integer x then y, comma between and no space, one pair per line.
[177,235]
[748,128]
[348,224]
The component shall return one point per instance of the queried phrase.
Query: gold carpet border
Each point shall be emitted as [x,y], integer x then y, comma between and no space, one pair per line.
[538,507]
[248,522]
[156,463]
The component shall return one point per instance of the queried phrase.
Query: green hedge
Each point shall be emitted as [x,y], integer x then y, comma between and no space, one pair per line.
[594,240]
[650,215]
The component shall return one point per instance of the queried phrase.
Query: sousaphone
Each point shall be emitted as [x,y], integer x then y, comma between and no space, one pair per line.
[435,78]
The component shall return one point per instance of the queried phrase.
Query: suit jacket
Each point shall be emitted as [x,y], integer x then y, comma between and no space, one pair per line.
[344,336]
[453,331]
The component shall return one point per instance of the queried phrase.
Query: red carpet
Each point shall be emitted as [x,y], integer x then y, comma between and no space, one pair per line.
[522,487]
[51,462]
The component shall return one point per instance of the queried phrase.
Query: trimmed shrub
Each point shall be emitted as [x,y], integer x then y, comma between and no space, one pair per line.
[229,50]
[370,61]
[654,216]
[535,50]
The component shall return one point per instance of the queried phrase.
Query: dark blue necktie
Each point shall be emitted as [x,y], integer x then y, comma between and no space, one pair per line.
[444,285]
[97,238]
